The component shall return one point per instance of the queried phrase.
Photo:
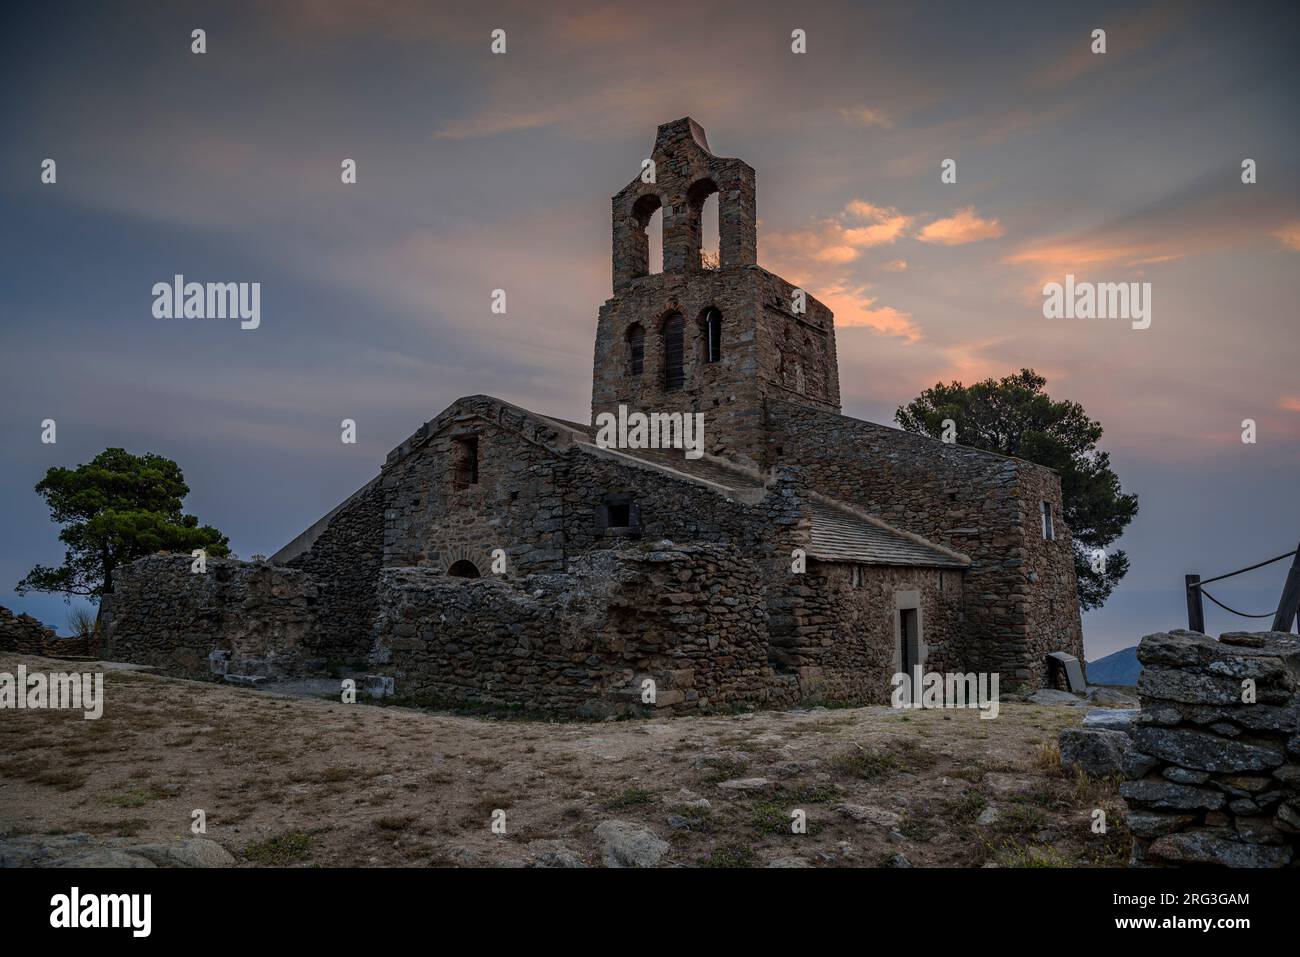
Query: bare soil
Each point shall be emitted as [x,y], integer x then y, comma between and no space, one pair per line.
[299,782]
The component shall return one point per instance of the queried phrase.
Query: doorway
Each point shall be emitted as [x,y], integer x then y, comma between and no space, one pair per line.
[909,640]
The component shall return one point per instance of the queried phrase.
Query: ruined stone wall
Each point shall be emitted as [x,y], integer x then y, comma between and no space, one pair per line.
[345,560]
[686,616]
[26,635]
[167,616]
[980,504]
[1213,779]
[842,638]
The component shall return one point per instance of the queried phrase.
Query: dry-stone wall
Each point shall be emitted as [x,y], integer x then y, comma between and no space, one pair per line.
[688,617]
[265,615]
[1213,779]
[25,635]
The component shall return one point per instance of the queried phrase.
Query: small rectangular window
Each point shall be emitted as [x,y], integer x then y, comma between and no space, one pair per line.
[1049,529]
[465,459]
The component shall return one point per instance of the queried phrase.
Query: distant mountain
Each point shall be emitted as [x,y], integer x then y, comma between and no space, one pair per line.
[1121,668]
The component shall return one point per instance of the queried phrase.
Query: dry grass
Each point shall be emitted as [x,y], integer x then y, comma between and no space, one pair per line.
[308,782]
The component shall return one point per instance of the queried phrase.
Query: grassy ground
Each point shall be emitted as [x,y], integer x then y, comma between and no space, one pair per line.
[296,781]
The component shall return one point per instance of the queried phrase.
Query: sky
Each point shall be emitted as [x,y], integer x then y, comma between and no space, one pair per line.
[479,171]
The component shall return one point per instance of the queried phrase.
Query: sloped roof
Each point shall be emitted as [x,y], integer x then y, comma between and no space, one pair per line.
[840,533]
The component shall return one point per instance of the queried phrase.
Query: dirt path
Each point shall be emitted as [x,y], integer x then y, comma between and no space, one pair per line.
[288,780]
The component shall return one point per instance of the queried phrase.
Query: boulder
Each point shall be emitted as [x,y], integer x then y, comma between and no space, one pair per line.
[192,852]
[1095,752]
[630,845]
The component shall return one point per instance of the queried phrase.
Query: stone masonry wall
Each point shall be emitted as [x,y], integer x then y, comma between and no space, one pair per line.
[26,635]
[538,503]
[345,560]
[1212,779]
[1018,597]
[167,616]
[686,616]
[843,636]
[765,346]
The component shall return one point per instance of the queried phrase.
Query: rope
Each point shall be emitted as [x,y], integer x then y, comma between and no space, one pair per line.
[1233,610]
[1239,571]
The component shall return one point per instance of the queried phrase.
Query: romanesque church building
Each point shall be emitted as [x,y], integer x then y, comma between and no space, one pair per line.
[507,557]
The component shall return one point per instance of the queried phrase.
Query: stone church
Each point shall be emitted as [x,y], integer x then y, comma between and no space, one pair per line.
[507,557]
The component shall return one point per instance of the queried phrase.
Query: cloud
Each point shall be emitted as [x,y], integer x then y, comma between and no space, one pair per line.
[495,123]
[854,309]
[837,240]
[895,265]
[816,258]
[963,226]
[865,116]
[1291,403]
[1289,234]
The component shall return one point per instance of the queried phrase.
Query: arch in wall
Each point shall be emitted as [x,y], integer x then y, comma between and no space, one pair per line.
[673,339]
[705,249]
[650,249]
[711,333]
[456,554]
[635,349]
[463,568]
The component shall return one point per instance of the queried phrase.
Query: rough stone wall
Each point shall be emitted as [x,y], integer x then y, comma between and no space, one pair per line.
[983,505]
[23,633]
[1211,779]
[1052,616]
[842,637]
[167,616]
[765,346]
[687,617]
[345,560]
[538,503]
[517,503]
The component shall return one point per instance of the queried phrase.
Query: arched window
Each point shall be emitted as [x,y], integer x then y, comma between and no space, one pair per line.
[463,569]
[673,333]
[649,256]
[712,335]
[635,349]
[702,204]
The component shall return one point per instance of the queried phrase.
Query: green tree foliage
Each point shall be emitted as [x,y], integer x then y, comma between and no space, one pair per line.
[115,509]
[1015,416]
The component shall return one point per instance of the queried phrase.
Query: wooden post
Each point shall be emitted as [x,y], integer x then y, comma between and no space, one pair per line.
[1290,603]
[1195,610]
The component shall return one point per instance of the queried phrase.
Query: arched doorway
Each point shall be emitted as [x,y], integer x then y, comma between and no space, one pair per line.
[463,569]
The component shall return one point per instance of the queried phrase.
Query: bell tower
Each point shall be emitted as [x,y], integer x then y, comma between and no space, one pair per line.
[699,338]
